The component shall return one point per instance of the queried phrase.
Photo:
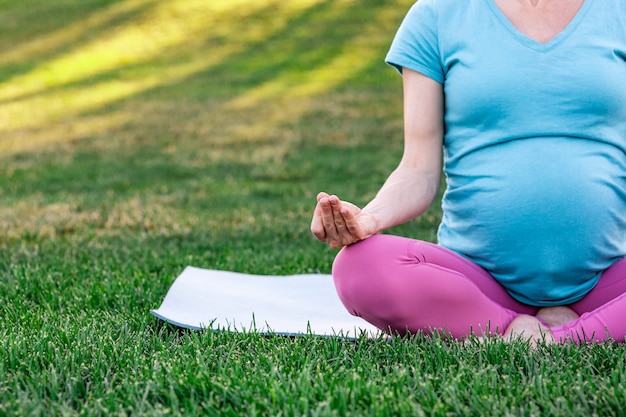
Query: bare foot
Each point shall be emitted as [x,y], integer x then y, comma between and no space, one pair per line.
[557,315]
[527,327]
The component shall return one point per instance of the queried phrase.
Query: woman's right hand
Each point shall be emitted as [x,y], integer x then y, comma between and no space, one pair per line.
[340,223]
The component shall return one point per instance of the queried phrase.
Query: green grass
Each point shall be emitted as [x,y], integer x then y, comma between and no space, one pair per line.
[140,136]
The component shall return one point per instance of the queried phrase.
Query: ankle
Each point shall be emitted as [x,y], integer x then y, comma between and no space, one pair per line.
[557,315]
[528,328]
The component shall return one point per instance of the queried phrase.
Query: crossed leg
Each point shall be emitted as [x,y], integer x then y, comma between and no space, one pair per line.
[602,311]
[404,285]
[400,284]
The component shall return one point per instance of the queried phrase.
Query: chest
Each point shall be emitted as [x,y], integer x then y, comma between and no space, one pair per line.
[507,85]
[542,20]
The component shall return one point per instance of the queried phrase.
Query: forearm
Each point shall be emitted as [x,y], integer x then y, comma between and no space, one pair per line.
[414,184]
[407,193]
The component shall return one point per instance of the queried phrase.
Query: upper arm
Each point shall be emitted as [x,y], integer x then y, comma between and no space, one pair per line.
[423,124]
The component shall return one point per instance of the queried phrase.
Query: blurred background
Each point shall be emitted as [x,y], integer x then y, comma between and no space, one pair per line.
[139,136]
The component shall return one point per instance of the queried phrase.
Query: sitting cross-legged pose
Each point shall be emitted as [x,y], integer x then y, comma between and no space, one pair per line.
[522,104]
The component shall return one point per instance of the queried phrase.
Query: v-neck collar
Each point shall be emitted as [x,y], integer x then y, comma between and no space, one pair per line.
[532,43]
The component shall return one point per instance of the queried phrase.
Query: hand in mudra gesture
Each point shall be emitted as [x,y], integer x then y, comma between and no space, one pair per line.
[340,223]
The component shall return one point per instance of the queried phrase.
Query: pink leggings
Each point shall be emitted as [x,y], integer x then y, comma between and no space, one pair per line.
[400,284]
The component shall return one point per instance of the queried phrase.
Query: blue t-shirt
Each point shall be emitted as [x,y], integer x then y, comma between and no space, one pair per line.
[535,141]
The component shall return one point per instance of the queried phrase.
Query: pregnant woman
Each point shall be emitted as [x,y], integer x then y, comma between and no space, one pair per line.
[522,104]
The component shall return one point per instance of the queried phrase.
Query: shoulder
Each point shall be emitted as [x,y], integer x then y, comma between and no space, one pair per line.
[610,15]
[447,6]
[444,11]
[611,7]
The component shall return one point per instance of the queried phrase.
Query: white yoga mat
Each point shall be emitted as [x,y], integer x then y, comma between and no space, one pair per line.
[286,305]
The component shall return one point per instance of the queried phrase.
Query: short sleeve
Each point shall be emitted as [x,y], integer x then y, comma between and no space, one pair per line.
[416,44]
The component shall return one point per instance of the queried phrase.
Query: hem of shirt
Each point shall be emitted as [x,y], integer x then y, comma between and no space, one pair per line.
[424,70]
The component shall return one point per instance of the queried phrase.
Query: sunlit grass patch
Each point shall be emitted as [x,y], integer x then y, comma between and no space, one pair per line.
[142,46]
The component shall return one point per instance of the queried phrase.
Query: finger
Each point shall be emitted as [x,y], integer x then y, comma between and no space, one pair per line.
[351,223]
[322,195]
[317,227]
[328,219]
[349,229]
[340,223]
[336,245]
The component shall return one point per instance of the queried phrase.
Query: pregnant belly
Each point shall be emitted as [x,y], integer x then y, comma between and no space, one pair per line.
[544,216]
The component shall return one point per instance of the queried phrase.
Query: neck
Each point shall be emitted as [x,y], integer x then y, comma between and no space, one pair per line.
[533,3]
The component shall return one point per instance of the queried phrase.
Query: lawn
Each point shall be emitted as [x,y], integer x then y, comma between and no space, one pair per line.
[141,136]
